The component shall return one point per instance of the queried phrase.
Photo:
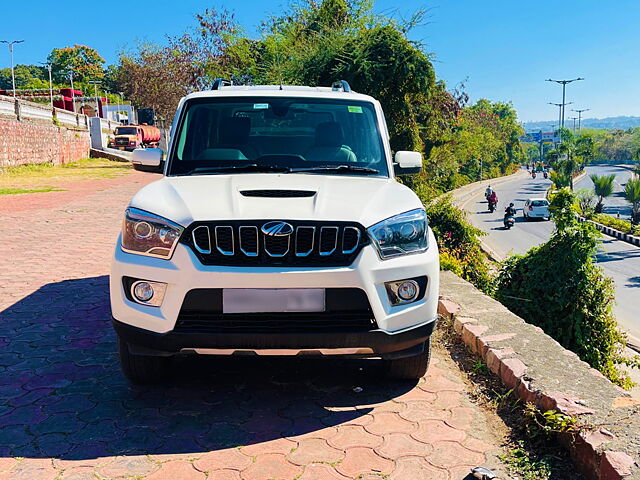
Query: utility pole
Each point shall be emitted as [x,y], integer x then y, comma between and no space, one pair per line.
[48,65]
[13,76]
[564,87]
[579,112]
[560,112]
[95,84]
[73,92]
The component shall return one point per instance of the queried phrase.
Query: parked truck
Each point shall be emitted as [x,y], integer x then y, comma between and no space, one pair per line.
[130,137]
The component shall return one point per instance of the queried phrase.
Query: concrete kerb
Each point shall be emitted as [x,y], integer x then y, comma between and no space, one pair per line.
[118,157]
[540,371]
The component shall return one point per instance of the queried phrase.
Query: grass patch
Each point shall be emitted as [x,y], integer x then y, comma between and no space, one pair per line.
[46,177]
[15,191]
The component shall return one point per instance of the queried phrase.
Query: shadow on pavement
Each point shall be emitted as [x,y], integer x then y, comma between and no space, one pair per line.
[634,282]
[62,393]
[603,256]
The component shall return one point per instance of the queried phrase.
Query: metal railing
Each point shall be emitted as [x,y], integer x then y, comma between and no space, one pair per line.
[20,109]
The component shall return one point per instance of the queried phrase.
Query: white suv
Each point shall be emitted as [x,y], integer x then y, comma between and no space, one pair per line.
[278,228]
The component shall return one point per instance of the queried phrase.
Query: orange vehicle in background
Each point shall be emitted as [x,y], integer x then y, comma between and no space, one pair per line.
[130,137]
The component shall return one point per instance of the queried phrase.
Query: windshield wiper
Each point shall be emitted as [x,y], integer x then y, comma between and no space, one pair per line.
[252,167]
[337,169]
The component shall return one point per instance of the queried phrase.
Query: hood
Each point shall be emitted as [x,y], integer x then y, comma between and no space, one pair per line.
[362,199]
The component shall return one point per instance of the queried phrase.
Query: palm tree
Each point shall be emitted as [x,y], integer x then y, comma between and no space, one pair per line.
[560,179]
[632,194]
[603,187]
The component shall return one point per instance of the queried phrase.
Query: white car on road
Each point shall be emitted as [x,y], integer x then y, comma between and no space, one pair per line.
[536,208]
[278,228]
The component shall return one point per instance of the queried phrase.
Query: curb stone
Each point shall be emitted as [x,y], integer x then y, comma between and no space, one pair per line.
[545,374]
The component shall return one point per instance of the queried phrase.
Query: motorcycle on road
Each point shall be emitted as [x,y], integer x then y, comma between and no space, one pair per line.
[509,221]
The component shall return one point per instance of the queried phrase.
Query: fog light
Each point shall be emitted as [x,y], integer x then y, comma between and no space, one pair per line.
[143,291]
[408,290]
[405,291]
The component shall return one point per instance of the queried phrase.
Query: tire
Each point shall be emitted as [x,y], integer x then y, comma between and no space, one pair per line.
[410,368]
[141,369]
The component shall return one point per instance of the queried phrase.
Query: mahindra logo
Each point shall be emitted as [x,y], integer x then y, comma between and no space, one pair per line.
[277,229]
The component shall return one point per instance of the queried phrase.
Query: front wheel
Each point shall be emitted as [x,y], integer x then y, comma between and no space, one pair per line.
[410,368]
[141,369]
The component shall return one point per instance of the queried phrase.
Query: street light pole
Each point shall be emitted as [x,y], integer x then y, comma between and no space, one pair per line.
[48,65]
[579,112]
[13,76]
[73,92]
[95,89]
[564,87]
[560,112]
[574,122]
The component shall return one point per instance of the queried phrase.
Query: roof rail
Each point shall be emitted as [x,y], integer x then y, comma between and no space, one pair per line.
[341,85]
[218,83]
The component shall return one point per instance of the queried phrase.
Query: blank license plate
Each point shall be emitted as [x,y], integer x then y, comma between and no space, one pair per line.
[272,300]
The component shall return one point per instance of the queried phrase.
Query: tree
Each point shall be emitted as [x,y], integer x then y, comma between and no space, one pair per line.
[27,76]
[153,79]
[632,194]
[85,62]
[603,188]
[586,201]
[560,178]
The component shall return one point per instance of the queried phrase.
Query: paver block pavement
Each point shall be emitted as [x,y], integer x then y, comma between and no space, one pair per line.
[66,408]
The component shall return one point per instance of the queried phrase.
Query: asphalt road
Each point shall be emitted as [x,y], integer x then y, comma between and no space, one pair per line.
[616,203]
[620,260]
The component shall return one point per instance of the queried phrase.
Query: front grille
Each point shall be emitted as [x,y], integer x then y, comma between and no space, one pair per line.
[347,311]
[122,141]
[278,193]
[241,243]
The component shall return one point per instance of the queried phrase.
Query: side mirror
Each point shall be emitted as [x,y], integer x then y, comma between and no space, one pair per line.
[407,162]
[148,160]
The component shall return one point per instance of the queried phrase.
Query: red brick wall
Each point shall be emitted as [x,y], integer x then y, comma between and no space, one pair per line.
[29,142]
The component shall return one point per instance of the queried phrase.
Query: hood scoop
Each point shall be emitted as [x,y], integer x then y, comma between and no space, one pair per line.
[277,193]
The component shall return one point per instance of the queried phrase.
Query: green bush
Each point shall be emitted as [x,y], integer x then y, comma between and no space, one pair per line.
[458,242]
[624,226]
[558,287]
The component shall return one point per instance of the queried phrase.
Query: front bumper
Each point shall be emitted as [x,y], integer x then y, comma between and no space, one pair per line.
[184,272]
[375,343]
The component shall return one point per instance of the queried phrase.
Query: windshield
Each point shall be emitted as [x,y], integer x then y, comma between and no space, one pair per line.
[249,134]
[539,203]
[126,131]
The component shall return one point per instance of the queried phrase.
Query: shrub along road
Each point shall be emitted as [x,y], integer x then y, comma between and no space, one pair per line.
[616,203]
[620,260]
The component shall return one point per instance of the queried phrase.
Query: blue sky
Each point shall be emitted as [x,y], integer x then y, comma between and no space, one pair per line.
[505,49]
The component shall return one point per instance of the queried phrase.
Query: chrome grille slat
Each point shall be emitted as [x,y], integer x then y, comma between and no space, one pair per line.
[219,232]
[200,234]
[345,230]
[325,233]
[244,236]
[298,241]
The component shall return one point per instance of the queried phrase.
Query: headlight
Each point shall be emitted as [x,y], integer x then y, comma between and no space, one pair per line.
[402,234]
[147,234]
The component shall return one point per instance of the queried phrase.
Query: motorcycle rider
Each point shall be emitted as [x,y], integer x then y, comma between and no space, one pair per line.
[488,192]
[510,211]
[493,199]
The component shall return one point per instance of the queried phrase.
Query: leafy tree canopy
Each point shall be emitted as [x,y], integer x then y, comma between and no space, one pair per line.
[85,63]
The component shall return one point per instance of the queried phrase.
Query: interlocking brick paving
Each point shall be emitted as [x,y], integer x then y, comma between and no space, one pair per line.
[66,412]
